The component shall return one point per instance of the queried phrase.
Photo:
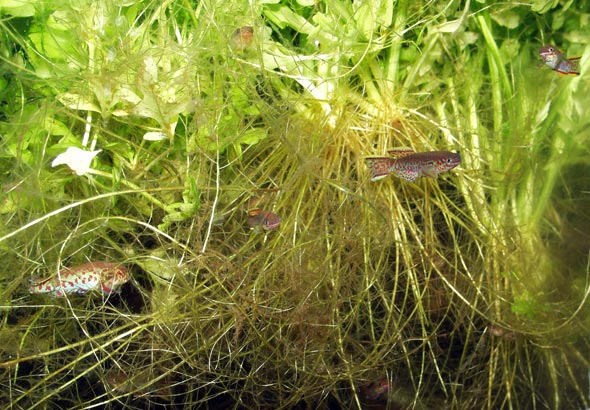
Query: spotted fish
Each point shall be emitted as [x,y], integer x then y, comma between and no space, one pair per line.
[105,276]
[258,218]
[557,60]
[409,165]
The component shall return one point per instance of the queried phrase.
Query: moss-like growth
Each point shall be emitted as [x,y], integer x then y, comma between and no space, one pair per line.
[467,291]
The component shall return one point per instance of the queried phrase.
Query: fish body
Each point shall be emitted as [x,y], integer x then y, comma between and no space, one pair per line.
[258,218]
[243,37]
[105,276]
[410,165]
[557,60]
[376,389]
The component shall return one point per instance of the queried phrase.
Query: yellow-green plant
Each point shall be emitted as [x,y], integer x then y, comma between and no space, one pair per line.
[460,292]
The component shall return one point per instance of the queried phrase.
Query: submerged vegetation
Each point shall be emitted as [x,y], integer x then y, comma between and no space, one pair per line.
[155,135]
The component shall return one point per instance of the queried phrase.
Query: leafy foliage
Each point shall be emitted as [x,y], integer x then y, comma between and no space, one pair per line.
[465,292]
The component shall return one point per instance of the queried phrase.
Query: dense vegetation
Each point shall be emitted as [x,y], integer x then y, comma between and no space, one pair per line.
[465,292]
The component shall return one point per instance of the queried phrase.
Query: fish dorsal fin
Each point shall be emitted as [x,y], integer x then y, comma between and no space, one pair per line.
[36,280]
[400,152]
[253,213]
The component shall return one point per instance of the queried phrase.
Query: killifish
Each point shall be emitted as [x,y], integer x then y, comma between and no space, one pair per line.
[243,37]
[376,389]
[557,60]
[105,276]
[501,332]
[257,218]
[409,165]
[138,383]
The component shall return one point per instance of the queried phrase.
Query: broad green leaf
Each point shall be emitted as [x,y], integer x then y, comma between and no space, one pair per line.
[18,8]
[158,266]
[252,136]
[53,44]
[56,127]
[543,6]
[509,49]
[372,16]
[506,18]
[365,20]
[13,201]
[283,17]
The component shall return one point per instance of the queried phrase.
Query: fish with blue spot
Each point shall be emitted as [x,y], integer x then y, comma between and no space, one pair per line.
[557,61]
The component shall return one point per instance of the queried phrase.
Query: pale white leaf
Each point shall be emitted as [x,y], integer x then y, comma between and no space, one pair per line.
[154,136]
[77,102]
[77,159]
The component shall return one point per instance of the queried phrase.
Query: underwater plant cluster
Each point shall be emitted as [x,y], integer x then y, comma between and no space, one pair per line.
[294,204]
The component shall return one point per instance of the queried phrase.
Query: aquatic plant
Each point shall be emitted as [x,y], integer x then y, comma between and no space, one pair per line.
[146,133]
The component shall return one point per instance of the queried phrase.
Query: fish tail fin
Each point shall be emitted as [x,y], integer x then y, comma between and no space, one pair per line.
[37,280]
[378,167]
[575,65]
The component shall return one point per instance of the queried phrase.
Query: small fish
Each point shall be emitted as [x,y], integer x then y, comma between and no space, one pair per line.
[501,332]
[243,37]
[410,165]
[376,389]
[557,60]
[140,383]
[105,276]
[257,218]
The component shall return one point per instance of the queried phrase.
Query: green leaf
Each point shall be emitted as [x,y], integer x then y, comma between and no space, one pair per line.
[543,6]
[18,8]
[372,16]
[283,17]
[506,18]
[509,49]
[158,266]
[253,136]
[56,127]
[53,44]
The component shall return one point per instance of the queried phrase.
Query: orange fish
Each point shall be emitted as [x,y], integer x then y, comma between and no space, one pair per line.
[105,276]
[243,37]
[258,218]
[557,60]
[409,165]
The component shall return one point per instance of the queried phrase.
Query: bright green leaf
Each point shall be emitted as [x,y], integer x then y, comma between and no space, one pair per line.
[506,18]
[18,8]
[283,17]
[253,135]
